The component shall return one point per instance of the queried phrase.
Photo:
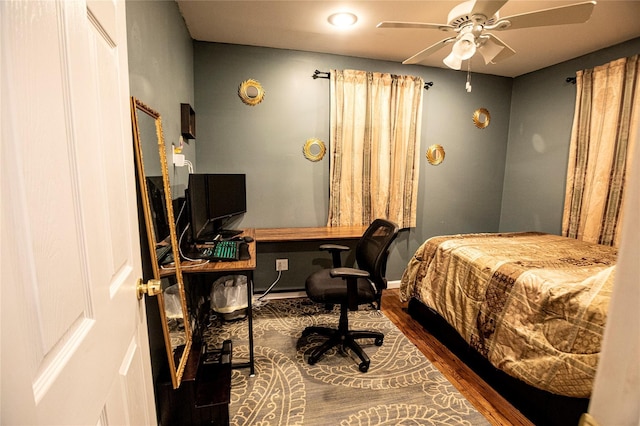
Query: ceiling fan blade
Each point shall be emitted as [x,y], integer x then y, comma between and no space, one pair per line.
[419,25]
[487,8]
[571,14]
[418,57]
[494,50]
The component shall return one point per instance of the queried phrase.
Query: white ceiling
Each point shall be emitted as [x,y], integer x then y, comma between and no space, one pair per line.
[302,25]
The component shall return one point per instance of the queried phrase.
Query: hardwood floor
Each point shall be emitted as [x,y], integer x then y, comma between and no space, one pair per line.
[487,401]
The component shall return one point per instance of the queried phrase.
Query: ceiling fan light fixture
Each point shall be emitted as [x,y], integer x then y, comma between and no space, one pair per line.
[453,61]
[465,47]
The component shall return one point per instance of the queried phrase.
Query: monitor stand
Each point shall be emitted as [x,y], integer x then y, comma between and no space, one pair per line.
[229,233]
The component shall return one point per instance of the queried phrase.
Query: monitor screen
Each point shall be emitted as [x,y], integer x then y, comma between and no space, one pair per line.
[213,198]
[158,206]
[227,195]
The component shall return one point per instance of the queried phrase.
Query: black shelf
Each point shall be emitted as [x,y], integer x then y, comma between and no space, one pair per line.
[188,121]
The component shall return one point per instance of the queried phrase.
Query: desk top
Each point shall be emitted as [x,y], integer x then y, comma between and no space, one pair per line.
[189,267]
[274,235]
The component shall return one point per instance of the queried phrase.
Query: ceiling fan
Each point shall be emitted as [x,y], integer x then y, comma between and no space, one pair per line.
[472,20]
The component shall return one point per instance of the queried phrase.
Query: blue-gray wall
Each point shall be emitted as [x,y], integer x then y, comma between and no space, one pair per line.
[539,136]
[284,189]
[161,71]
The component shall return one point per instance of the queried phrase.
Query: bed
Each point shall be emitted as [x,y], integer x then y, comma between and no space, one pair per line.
[532,304]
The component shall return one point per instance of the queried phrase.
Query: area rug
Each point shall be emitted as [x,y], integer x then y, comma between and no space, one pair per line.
[401,387]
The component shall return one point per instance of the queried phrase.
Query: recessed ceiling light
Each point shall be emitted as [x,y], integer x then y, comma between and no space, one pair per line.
[342,19]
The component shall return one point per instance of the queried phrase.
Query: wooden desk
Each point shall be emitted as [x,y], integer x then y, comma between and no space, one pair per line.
[277,235]
[245,267]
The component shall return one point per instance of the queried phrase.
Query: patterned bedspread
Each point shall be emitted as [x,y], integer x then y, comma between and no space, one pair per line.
[533,304]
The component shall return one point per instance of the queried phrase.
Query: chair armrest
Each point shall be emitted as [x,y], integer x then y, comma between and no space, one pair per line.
[330,247]
[351,275]
[335,250]
[348,273]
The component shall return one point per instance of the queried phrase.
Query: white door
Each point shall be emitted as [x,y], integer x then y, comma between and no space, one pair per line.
[74,339]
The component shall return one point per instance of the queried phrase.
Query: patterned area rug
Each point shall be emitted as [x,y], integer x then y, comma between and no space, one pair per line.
[401,387]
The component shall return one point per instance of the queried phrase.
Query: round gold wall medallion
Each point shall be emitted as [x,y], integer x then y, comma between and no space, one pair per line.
[481,118]
[251,92]
[435,154]
[314,149]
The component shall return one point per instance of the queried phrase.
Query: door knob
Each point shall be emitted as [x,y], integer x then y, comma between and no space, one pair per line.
[152,287]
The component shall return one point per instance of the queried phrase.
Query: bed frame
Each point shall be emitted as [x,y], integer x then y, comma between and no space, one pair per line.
[541,407]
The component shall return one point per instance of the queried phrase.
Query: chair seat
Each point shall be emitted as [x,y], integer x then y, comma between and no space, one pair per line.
[322,288]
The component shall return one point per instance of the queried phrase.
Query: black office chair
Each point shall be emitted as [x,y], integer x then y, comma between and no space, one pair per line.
[350,287]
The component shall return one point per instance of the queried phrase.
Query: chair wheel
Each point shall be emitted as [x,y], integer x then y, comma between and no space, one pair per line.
[378,341]
[364,367]
[311,360]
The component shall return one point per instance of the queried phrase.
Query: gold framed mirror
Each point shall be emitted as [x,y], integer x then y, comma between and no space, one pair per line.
[251,92]
[435,154]
[481,118]
[314,149]
[155,191]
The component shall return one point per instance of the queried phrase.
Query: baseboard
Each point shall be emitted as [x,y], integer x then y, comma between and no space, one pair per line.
[393,284]
[282,295]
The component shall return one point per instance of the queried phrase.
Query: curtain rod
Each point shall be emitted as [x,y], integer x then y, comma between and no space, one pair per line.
[427,85]
[326,74]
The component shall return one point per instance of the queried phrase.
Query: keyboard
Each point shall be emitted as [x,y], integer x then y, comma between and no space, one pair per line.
[162,252]
[222,251]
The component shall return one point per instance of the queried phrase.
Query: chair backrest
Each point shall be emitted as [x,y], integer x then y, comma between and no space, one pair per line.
[372,250]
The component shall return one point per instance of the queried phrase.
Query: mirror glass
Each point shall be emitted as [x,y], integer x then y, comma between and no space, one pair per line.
[252,92]
[153,174]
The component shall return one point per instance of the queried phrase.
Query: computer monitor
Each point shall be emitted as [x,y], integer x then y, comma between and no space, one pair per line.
[213,198]
[158,205]
[227,195]
[198,199]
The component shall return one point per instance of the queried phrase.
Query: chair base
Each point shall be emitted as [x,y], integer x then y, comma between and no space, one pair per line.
[344,338]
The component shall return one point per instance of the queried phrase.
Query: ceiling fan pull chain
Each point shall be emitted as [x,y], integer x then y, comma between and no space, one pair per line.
[468,85]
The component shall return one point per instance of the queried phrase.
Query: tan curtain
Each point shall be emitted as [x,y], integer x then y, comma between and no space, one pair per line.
[602,143]
[375,137]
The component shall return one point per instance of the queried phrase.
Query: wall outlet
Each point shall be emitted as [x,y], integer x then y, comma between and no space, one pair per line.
[282,264]
[178,160]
